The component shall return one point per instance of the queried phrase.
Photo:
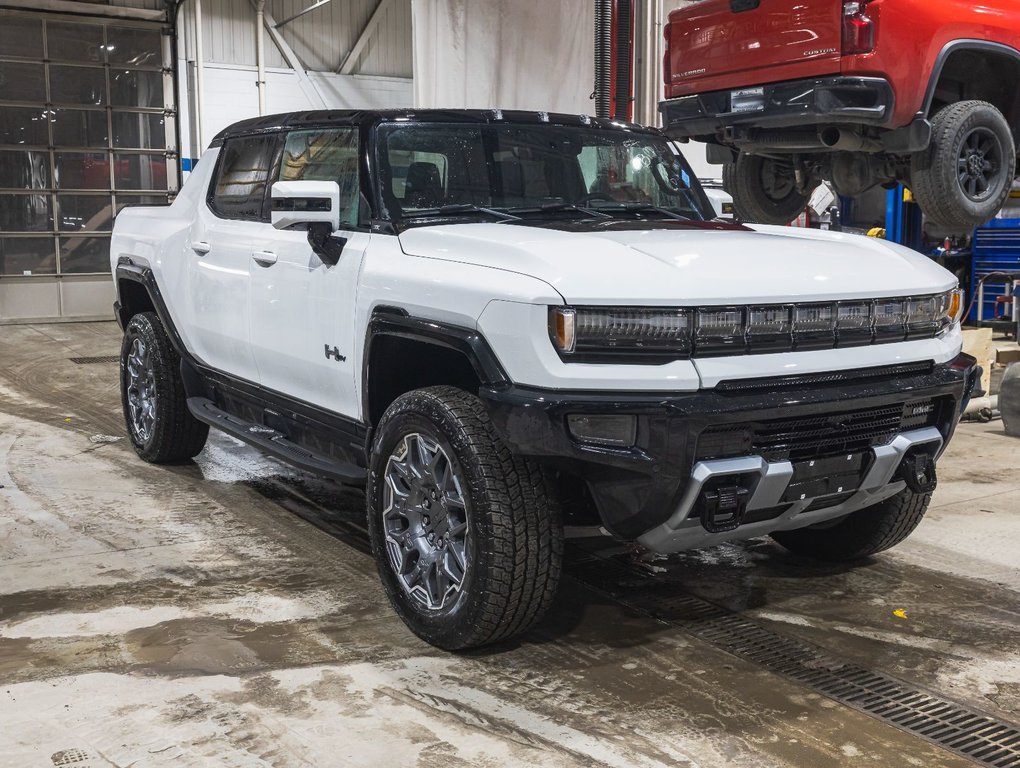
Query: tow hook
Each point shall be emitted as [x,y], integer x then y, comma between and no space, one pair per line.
[723,508]
[918,471]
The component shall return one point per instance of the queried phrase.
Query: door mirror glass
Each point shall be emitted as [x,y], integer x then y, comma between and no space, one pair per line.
[299,204]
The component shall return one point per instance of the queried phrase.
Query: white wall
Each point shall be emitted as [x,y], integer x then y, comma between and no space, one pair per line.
[320,39]
[230,95]
[508,54]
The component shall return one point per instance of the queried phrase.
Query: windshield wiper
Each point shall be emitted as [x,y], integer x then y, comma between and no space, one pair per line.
[558,207]
[460,208]
[643,208]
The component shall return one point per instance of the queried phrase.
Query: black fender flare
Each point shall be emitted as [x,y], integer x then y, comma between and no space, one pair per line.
[394,321]
[143,275]
[955,46]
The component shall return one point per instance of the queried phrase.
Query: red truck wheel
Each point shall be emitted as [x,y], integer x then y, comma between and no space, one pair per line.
[765,189]
[964,177]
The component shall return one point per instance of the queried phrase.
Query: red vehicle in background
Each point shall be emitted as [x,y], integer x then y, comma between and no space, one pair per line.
[859,93]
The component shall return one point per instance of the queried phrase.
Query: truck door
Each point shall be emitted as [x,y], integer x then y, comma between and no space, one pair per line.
[222,239]
[302,321]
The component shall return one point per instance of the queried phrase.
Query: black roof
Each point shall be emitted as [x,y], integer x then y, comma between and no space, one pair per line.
[327,117]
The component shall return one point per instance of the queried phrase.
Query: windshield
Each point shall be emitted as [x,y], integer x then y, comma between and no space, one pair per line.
[430,170]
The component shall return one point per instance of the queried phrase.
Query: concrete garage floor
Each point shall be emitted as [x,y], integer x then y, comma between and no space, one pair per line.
[225,613]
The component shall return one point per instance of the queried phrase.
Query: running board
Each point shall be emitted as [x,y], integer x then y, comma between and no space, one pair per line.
[275,443]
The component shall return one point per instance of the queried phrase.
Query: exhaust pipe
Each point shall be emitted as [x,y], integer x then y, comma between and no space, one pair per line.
[848,141]
[762,141]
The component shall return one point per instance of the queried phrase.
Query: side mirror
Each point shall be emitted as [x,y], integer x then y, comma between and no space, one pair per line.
[297,204]
[314,206]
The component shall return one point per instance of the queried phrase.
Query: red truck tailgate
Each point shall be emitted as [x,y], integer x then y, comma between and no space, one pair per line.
[717,44]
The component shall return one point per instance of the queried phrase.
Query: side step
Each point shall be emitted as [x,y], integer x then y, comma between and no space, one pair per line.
[275,444]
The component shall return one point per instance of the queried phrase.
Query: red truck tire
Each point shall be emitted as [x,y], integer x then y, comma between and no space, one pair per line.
[765,189]
[964,177]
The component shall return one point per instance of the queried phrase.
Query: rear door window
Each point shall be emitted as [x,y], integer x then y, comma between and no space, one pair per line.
[240,186]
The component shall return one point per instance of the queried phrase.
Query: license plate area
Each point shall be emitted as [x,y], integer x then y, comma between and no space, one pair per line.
[747,100]
[828,476]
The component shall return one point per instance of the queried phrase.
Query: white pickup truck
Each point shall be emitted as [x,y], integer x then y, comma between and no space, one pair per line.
[498,321]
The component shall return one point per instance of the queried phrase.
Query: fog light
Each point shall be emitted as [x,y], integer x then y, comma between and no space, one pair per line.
[600,429]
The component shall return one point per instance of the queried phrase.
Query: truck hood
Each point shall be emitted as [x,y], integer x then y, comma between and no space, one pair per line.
[671,265]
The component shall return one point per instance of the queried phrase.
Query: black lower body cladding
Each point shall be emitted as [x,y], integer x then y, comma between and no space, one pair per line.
[637,487]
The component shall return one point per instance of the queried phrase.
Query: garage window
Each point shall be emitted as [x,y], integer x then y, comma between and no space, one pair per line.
[85,112]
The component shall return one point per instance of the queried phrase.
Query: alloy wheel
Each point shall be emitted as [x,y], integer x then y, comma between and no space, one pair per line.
[980,164]
[141,390]
[425,521]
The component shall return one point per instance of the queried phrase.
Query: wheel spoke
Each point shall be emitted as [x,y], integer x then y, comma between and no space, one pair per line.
[425,521]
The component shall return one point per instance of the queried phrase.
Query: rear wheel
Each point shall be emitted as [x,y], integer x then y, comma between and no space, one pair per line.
[161,428]
[964,177]
[467,540]
[862,533]
[765,189]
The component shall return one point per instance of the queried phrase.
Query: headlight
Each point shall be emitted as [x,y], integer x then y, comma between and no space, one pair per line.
[595,331]
[948,310]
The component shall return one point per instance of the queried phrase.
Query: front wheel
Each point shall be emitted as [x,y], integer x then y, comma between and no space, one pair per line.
[964,177]
[862,533]
[466,538]
[765,189]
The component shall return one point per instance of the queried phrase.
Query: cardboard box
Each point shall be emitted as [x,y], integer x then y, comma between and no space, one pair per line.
[1007,356]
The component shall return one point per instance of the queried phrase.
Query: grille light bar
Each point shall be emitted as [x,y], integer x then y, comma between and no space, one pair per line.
[657,334]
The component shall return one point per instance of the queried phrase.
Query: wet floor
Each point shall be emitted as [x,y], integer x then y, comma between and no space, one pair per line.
[226,613]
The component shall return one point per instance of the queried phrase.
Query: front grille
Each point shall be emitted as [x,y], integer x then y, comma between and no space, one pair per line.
[829,378]
[812,437]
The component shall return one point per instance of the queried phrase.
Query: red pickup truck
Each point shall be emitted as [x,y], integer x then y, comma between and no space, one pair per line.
[857,92]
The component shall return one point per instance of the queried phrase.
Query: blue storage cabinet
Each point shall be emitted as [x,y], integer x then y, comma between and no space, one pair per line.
[996,248]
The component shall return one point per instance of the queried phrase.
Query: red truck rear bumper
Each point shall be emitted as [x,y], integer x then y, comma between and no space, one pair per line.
[818,101]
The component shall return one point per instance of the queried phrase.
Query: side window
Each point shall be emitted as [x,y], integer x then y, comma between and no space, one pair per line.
[240,186]
[326,155]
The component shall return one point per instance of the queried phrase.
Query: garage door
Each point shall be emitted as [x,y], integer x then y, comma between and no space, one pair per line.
[86,127]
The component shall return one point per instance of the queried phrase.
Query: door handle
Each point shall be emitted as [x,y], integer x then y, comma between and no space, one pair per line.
[264,258]
[201,248]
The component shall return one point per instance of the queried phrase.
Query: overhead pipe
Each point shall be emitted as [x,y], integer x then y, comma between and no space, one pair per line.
[622,87]
[603,56]
[260,54]
[199,77]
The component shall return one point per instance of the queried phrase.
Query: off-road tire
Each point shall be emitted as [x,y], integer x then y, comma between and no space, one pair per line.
[176,435]
[935,172]
[745,180]
[1009,400]
[862,533]
[515,544]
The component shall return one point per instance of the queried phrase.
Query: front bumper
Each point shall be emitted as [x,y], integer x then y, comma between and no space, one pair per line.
[819,101]
[648,491]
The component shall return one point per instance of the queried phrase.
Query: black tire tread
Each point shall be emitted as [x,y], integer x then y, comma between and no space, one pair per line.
[933,176]
[861,534]
[742,180]
[178,436]
[526,542]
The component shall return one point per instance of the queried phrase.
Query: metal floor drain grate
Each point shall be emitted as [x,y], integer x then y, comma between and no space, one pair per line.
[94,360]
[967,732]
